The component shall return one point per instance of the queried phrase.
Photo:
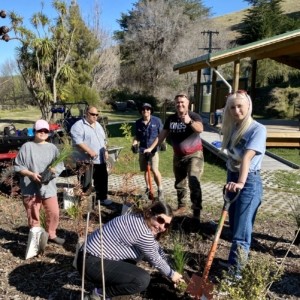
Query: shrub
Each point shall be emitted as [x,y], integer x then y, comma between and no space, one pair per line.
[257,275]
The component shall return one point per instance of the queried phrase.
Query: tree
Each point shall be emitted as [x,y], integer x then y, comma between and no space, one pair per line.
[264,19]
[47,55]
[157,34]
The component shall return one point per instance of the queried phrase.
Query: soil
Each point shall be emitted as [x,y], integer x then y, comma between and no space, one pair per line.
[51,275]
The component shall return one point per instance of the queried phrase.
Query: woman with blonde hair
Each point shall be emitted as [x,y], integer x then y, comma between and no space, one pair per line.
[245,142]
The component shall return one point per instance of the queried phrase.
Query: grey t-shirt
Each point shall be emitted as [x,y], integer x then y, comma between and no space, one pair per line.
[36,158]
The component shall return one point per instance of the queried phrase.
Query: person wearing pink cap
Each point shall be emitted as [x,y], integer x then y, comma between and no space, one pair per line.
[33,158]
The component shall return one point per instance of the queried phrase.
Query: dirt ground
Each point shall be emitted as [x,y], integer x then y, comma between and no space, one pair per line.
[51,275]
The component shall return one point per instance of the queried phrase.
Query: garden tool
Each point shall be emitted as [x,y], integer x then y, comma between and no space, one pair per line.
[148,158]
[101,249]
[200,287]
[90,206]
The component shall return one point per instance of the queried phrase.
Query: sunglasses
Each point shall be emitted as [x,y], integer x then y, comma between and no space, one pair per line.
[43,131]
[146,108]
[94,115]
[160,220]
[238,92]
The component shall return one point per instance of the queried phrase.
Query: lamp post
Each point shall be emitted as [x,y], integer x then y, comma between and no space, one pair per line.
[4,29]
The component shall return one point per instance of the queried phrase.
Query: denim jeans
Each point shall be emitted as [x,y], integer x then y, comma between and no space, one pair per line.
[121,277]
[242,215]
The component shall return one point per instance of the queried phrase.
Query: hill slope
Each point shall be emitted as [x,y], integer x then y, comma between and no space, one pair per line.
[232,21]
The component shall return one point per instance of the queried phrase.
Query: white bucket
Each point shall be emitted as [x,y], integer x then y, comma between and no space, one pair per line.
[37,241]
[69,198]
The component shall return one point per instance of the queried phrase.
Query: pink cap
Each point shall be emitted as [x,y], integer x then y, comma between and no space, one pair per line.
[41,124]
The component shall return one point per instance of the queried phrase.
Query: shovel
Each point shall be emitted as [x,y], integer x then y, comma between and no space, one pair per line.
[200,287]
[148,158]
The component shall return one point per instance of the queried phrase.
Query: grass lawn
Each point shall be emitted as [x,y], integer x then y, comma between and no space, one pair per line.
[128,162]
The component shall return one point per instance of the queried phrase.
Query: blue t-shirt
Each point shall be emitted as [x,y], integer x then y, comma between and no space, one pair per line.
[83,132]
[147,133]
[254,139]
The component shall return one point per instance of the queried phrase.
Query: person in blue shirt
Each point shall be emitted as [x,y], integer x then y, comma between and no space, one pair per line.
[89,138]
[245,142]
[147,129]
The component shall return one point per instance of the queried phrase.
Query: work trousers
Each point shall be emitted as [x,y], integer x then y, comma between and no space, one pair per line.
[33,204]
[100,178]
[121,278]
[189,167]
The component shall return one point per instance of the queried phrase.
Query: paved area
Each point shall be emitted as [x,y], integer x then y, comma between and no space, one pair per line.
[274,201]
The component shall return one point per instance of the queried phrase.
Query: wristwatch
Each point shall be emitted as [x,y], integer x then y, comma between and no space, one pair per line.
[191,122]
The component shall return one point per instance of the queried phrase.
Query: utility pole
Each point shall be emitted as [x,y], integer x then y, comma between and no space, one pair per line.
[207,71]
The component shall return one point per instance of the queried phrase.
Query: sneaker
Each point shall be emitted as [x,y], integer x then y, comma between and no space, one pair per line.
[179,211]
[160,195]
[106,202]
[57,240]
[95,295]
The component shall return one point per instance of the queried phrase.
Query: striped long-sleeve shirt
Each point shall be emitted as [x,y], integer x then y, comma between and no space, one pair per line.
[129,237]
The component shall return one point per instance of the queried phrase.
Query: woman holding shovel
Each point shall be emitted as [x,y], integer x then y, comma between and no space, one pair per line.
[245,141]
[127,239]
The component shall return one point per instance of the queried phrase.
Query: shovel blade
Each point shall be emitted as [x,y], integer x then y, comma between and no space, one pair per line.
[199,288]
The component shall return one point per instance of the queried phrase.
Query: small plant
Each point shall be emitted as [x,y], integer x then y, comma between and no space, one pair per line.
[258,273]
[295,207]
[295,213]
[74,211]
[65,153]
[126,130]
[180,259]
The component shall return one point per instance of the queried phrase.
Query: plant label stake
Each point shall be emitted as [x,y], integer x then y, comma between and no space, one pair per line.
[200,287]
[89,207]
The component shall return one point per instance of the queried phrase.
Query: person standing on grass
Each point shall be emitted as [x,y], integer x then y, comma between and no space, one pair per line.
[126,240]
[245,142]
[89,138]
[147,129]
[184,128]
[33,158]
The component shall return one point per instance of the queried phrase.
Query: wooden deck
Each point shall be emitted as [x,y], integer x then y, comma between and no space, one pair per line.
[270,162]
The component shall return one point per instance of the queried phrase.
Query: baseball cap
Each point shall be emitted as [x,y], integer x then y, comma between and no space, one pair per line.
[41,124]
[148,105]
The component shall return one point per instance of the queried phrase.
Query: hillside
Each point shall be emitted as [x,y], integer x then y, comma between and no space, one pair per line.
[232,21]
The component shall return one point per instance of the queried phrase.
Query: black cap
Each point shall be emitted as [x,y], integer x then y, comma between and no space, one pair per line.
[148,105]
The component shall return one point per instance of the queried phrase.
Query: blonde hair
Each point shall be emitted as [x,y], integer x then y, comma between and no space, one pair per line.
[229,124]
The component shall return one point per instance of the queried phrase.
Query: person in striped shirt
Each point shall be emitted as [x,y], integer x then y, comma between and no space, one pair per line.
[126,240]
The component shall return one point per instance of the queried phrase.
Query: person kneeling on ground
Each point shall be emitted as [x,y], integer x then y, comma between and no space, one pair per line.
[126,239]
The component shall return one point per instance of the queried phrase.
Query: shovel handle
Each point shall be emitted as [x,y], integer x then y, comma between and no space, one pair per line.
[228,201]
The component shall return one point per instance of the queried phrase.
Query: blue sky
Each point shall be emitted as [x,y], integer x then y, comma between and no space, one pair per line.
[110,11]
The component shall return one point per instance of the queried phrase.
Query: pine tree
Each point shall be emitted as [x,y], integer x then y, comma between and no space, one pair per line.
[264,19]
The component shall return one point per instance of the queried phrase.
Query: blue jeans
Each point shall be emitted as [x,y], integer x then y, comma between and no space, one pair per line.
[242,215]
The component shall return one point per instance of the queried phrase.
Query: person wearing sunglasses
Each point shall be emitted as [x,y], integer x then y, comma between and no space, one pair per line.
[33,158]
[184,128]
[126,240]
[147,129]
[89,138]
[245,142]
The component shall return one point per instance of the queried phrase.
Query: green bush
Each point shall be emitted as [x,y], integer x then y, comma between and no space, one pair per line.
[257,275]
